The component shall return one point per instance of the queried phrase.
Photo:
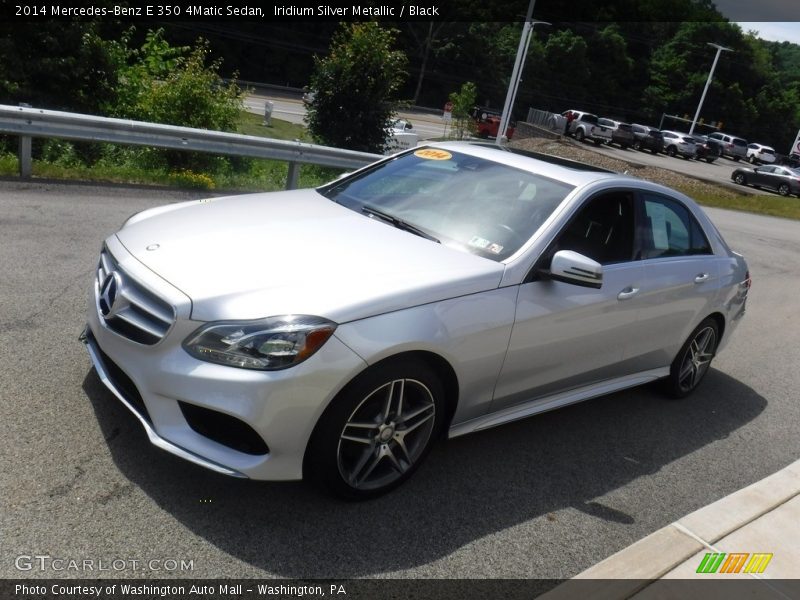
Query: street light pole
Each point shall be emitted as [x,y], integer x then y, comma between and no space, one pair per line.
[527,27]
[708,82]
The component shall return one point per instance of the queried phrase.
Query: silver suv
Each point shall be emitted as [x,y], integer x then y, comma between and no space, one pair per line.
[585,126]
[730,145]
[677,143]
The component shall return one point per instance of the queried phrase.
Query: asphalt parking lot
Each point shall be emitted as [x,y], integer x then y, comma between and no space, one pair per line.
[545,497]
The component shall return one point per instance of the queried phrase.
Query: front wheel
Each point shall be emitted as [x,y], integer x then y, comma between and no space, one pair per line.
[736,158]
[753,159]
[378,430]
[637,146]
[579,135]
[693,360]
[739,178]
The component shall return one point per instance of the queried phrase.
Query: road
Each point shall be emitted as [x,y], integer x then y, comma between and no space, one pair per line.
[718,172]
[541,498]
[427,126]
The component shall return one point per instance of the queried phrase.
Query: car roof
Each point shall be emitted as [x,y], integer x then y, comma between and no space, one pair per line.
[561,169]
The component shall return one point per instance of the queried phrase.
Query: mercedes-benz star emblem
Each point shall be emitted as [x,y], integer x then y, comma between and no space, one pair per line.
[109,292]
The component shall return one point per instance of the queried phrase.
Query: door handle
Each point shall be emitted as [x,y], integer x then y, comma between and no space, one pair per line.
[701,277]
[628,293]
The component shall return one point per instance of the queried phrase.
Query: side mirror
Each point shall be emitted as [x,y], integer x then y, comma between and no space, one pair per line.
[570,267]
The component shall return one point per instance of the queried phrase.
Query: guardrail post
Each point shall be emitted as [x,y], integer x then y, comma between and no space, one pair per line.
[25,162]
[24,154]
[291,178]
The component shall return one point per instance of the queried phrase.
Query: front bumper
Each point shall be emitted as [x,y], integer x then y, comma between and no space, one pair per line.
[282,407]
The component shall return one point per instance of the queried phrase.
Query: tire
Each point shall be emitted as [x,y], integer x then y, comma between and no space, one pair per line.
[753,159]
[710,159]
[597,142]
[736,158]
[653,150]
[783,189]
[740,179]
[693,360]
[672,151]
[579,135]
[624,146]
[637,146]
[377,431]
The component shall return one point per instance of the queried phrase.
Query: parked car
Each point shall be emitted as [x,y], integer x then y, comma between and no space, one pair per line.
[793,160]
[335,333]
[705,149]
[621,133]
[784,180]
[401,136]
[758,153]
[730,145]
[647,138]
[585,127]
[681,144]
[308,96]
[487,122]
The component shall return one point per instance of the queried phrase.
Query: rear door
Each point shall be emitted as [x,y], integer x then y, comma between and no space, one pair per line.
[681,280]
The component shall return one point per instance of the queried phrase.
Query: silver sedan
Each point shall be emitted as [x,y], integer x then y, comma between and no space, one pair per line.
[335,333]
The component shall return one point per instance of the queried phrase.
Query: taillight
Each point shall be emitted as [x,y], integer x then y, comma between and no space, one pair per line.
[747,280]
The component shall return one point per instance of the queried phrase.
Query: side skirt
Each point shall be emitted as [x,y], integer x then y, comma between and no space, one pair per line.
[540,405]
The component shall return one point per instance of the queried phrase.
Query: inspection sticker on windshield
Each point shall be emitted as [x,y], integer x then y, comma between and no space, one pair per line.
[433,154]
[479,242]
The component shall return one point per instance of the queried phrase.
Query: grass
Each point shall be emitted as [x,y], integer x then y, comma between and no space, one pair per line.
[724,197]
[253,124]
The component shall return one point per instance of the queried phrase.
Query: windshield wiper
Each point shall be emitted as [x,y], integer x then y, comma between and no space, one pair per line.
[398,222]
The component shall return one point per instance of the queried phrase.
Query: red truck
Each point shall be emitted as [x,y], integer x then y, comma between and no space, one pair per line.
[487,121]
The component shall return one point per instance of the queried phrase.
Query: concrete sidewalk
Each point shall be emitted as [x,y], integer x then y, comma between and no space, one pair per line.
[761,518]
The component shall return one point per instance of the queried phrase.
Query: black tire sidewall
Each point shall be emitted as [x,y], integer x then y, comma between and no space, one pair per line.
[671,383]
[321,460]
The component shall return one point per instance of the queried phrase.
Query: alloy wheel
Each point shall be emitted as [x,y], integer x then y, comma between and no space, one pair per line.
[386,434]
[697,359]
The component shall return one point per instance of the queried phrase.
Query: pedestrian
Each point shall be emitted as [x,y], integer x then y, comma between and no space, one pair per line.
[570,118]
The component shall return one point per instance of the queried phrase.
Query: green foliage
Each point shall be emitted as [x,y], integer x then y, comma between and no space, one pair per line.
[357,87]
[164,84]
[61,65]
[463,103]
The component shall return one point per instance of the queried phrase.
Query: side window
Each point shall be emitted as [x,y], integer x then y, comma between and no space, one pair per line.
[668,229]
[603,230]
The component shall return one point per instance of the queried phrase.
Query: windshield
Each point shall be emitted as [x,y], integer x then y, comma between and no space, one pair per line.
[476,205]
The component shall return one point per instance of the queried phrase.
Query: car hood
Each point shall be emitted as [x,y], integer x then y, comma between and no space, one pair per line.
[259,255]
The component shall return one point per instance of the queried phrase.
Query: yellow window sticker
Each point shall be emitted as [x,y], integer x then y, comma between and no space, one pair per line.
[433,154]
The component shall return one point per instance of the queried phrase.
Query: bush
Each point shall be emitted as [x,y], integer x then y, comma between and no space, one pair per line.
[356,88]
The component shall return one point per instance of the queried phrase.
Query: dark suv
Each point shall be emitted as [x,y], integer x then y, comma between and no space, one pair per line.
[647,138]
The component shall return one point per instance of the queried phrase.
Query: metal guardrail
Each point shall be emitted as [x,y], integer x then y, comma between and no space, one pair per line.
[29,123]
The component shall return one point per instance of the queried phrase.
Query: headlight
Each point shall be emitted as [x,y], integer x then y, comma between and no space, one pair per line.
[266,344]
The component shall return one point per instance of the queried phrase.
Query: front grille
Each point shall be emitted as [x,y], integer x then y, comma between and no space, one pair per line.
[223,429]
[123,383]
[136,312]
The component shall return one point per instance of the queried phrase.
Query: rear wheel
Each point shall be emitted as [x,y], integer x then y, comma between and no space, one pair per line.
[783,189]
[579,135]
[377,431]
[736,158]
[753,159]
[693,360]
[672,151]
[637,146]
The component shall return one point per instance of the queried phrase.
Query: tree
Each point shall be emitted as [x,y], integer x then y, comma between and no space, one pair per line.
[463,103]
[357,88]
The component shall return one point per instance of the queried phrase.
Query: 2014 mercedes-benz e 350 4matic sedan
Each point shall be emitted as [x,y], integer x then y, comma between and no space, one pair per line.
[335,333]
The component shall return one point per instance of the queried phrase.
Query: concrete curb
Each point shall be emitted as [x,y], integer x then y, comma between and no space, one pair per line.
[631,569]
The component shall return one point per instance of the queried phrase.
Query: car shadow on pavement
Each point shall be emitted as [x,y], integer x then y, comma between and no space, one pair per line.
[468,488]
